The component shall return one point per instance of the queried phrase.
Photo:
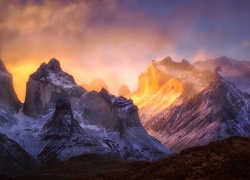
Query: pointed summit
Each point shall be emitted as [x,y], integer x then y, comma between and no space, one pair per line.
[152,79]
[54,65]
[53,73]
[48,84]
[64,137]
[63,116]
[168,59]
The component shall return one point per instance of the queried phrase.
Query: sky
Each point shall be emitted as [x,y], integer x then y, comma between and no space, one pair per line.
[117,39]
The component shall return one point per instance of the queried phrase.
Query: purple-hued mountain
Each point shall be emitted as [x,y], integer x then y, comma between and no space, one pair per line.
[181,104]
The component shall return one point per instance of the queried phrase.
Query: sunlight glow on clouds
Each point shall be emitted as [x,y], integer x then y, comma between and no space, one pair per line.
[116,40]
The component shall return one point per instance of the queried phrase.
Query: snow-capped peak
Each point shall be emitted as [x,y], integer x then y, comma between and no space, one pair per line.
[52,73]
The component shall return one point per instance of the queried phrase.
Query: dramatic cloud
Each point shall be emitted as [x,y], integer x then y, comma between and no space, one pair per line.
[116,40]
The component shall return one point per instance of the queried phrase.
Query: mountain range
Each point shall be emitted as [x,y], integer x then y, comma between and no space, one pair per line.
[177,105]
[60,119]
[185,105]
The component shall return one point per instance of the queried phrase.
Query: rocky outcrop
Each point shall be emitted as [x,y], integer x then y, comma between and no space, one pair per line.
[48,84]
[8,96]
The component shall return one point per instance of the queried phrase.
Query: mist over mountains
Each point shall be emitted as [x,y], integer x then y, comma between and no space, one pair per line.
[177,105]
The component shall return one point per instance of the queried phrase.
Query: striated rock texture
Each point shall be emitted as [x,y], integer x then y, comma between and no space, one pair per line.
[124,91]
[48,84]
[95,85]
[219,111]
[14,160]
[8,96]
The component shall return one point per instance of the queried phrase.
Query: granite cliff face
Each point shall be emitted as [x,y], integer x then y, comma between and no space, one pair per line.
[119,119]
[48,84]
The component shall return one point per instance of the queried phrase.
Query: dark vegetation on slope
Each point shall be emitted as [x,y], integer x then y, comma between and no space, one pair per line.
[225,159]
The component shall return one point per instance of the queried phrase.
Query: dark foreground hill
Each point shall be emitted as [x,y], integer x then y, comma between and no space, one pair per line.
[225,159]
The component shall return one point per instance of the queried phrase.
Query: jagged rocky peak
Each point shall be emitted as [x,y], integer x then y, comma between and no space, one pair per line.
[48,84]
[167,60]
[53,73]
[117,102]
[152,79]
[64,137]
[8,95]
[184,61]
[54,65]
[168,65]
[63,116]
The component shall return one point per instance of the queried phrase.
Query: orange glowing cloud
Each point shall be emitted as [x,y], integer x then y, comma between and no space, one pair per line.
[91,39]
[109,39]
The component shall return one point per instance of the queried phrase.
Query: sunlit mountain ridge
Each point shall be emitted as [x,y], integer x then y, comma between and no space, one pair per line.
[185,105]
[166,83]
